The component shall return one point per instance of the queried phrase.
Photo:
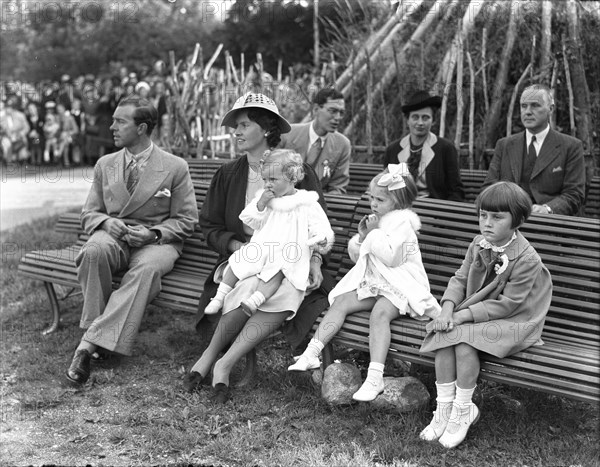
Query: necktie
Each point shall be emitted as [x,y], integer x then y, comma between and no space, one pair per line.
[531,154]
[133,176]
[527,170]
[314,152]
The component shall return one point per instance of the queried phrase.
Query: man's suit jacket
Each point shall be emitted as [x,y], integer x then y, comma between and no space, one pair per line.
[335,156]
[558,177]
[163,200]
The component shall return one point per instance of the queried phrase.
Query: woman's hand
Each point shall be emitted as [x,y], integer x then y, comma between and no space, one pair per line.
[315,276]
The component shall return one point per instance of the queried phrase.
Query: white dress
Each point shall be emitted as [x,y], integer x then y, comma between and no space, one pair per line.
[389,264]
[281,233]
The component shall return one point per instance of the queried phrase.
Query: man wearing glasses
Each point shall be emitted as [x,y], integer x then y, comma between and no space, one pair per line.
[320,143]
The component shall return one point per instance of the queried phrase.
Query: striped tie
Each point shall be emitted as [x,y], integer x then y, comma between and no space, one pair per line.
[133,176]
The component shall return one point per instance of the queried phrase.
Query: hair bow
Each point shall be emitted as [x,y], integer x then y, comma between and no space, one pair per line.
[395,178]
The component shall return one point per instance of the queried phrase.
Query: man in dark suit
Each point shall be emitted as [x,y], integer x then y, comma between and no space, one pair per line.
[140,209]
[319,143]
[547,164]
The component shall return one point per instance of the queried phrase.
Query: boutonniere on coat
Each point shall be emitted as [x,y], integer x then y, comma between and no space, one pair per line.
[326,168]
[501,265]
[164,193]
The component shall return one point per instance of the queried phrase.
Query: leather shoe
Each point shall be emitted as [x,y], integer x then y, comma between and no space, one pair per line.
[305,363]
[369,391]
[221,393]
[80,366]
[192,380]
[461,418]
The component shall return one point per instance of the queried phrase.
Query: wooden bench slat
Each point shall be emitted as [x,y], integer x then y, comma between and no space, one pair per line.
[568,365]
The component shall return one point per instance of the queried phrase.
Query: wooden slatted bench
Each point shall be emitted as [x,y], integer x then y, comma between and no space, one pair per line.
[569,362]
[568,365]
[182,287]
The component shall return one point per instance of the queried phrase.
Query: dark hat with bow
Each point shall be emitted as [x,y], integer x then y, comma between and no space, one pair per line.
[420,100]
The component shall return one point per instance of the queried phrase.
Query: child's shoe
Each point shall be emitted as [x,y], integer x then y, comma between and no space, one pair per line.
[369,390]
[305,363]
[213,307]
[436,428]
[461,418]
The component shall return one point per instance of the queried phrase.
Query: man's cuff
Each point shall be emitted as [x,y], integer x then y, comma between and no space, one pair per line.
[158,234]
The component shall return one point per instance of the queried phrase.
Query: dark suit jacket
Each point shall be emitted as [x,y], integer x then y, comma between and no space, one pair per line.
[558,177]
[220,222]
[442,174]
[335,154]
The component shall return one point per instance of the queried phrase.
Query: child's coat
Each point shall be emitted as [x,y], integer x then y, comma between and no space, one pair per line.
[509,311]
[393,249]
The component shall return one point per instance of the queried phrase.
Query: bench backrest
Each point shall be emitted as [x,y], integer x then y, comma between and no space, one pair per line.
[568,246]
[362,173]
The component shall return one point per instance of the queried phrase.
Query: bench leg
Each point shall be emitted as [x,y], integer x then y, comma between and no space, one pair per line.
[54,308]
[249,370]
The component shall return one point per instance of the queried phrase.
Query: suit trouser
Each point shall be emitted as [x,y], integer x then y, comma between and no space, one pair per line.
[112,318]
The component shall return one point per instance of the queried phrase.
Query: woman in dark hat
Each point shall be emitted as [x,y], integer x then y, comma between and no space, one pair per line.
[431,160]
[257,128]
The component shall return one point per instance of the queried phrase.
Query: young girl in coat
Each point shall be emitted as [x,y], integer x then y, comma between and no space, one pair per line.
[289,224]
[389,278]
[496,303]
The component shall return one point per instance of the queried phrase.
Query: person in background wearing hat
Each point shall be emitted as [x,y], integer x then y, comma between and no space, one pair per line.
[257,128]
[140,210]
[432,161]
[548,165]
[320,144]
[142,89]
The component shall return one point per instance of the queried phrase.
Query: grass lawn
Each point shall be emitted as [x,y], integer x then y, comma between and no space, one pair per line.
[133,411]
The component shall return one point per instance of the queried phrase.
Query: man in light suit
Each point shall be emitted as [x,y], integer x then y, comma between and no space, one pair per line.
[140,209]
[547,164]
[320,144]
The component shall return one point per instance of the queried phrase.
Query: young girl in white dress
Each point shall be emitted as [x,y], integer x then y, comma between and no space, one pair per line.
[289,224]
[389,278]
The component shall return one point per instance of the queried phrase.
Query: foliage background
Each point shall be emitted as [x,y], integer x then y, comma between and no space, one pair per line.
[41,40]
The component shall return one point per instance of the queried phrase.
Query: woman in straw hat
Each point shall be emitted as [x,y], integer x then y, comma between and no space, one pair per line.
[257,128]
[432,160]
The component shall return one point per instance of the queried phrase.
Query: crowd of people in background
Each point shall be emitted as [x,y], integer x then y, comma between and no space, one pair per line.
[67,122]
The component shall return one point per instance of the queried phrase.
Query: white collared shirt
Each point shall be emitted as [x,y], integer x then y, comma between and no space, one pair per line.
[539,139]
[141,158]
[312,136]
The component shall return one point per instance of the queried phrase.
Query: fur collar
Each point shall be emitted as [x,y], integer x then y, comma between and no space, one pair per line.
[398,216]
[291,202]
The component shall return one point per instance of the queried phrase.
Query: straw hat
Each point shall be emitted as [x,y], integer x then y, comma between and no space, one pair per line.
[420,100]
[254,100]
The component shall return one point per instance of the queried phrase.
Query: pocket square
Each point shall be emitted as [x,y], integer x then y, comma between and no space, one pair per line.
[164,193]
[557,169]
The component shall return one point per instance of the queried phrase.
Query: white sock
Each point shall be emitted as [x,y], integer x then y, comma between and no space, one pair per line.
[222,291]
[375,372]
[464,397]
[257,299]
[314,348]
[443,409]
